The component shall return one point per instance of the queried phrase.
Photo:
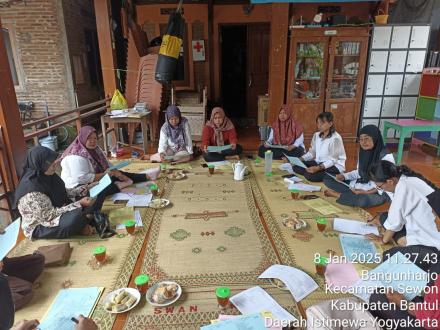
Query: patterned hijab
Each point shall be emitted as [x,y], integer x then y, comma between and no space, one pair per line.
[225,126]
[284,132]
[369,157]
[175,133]
[78,148]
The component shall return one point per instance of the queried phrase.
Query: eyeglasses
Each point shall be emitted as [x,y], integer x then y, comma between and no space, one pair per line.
[379,188]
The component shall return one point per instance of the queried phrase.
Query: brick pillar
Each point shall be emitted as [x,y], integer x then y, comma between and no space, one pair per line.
[10,117]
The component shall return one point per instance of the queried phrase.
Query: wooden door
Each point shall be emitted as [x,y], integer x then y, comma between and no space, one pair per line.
[258,40]
[307,79]
[346,69]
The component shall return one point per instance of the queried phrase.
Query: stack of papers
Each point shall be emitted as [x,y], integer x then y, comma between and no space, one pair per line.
[140,200]
[286,167]
[299,283]
[304,187]
[354,227]
[322,206]
[256,300]
[292,179]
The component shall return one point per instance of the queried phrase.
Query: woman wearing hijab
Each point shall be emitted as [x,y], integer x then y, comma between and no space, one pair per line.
[362,191]
[425,311]
[84,163]
[44,203]
[175,143]
[220,131]
[286,136]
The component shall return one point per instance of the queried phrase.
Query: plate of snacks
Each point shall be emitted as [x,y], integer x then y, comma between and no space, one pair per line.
[159,203]
[164,293]
[278,283]
[121,300]
[294,223]
[176,175]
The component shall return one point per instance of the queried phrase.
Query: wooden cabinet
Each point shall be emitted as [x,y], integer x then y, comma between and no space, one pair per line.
[326,73]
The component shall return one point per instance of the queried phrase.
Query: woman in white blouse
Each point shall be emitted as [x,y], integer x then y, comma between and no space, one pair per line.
[355,188]
[175,143]
[326,153]
[410,220]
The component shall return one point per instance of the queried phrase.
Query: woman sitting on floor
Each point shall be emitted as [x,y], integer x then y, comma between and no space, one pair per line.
[326,153]
[362,191]
[175,143]
[220,131]
[410,219]
[285,132]
[84,163]
[43,201]
[428,260]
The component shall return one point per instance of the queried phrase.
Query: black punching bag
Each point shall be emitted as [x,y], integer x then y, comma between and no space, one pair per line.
[170,48]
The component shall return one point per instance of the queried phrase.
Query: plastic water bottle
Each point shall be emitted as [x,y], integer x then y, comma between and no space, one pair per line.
[268,163]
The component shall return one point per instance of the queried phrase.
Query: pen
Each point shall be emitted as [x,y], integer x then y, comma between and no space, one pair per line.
[74,320]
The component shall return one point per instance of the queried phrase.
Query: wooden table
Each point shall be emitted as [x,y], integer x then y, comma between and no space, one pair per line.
[407,127]
[143,119]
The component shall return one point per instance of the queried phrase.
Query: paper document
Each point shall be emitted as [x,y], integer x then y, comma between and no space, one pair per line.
[286,167]
[220,163]
[102,184]
[354,227]
[408,279]
[219,148]
[254,322]
[341,182]
[137,219]
[119,165]
[140,200]
[322,206]
[70,303]
[277,146]
[256,300]
[341,274]
[357,248]
[8,238]
[265,315]
[299,283]
[304,187]
[295,161]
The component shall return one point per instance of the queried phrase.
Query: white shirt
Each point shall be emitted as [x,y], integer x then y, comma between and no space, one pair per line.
[410,208]
[329,151]
[76,170]
[166,143]
[299,142]
[353,176]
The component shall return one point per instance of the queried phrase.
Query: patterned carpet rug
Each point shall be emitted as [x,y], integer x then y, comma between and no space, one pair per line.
[211,236]
[276,204]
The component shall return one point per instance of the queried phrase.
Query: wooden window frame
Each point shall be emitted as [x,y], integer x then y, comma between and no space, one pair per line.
[15,51]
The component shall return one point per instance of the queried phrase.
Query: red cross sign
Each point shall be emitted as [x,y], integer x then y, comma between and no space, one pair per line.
[198,50]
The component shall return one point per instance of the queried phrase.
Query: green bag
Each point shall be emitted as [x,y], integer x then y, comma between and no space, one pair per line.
[118,101]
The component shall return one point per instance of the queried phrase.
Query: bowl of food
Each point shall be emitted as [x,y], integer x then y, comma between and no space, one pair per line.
[164,293]
[121,300]
[278,283]
[294,223]
[159,203]
[176,175]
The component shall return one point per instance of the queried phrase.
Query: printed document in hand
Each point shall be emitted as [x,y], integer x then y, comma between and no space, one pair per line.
[277,146]
[219,148]
[119,165]
[339,181]
[8,238]
[102,184]
[295,161]
[299,283]
[354,227]
[256,300]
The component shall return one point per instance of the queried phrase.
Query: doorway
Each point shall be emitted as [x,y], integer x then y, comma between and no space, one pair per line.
[244,70]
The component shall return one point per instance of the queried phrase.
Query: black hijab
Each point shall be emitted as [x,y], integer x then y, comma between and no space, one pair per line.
[6,304]
[368,157]
[33,178]
[434,201]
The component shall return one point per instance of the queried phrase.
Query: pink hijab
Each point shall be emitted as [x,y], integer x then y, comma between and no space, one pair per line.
[78,148]
[225,126]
